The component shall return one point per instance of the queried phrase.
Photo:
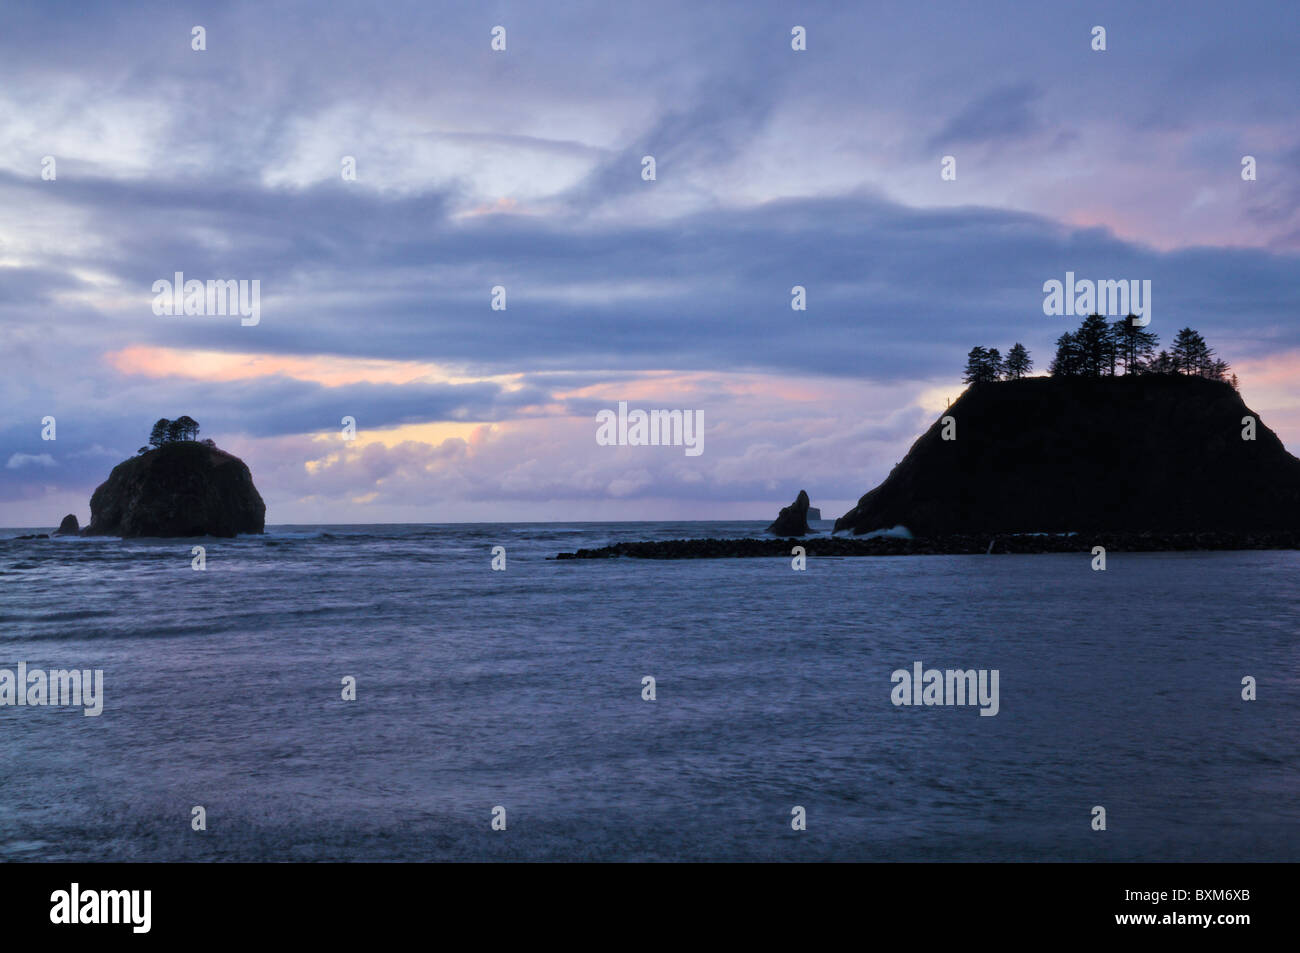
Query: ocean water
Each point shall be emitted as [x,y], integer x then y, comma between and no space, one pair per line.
[522,688]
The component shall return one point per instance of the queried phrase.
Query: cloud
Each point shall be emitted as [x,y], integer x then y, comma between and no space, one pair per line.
[20,460]
[1002,115]
[522,170]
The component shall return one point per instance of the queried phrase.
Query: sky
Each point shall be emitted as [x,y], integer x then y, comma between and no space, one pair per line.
[522,169]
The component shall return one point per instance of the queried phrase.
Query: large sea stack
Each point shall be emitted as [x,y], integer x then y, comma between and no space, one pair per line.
[1147,453]
[185,488]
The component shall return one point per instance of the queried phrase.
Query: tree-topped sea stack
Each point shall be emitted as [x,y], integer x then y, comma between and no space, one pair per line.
[1134,453]
[181,488]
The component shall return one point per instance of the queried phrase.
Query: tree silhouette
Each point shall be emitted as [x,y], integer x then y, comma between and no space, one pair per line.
[1192,355]
[172,431]
[189,427]
[983,365]
[1135,347]
[158,436]
[997,367]
[1068,362]
[1096,346]
[976,361]
[987,364]
[1019,363]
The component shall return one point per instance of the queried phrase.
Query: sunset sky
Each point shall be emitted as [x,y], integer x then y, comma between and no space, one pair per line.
[522,168]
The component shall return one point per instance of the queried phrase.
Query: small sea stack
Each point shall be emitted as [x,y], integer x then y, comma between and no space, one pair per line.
[793,519]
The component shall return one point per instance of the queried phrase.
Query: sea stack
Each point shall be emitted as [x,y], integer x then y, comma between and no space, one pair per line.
[69,526]
[185,488]
[1144,453]
[793,519]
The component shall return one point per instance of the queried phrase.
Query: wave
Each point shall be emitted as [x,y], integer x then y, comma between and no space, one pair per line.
[66,615]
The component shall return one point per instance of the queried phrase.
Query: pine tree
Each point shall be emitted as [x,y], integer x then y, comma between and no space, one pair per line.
[984,365]
[1096,345]
[976,364]
[1135,347]
[1019,363]
[1191,355]
[189,427]
[996,367]
[1068,361]
[158,436]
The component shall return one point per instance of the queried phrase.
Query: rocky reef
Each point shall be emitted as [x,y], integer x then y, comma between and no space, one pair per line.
[967,544]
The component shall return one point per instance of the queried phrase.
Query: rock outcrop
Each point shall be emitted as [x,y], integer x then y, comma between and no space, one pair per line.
[793,519]
[69,526]
[1149,453]
[180,489]
[981,545]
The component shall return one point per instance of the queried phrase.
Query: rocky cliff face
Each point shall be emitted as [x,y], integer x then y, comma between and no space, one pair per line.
[1147,453]
[179,489]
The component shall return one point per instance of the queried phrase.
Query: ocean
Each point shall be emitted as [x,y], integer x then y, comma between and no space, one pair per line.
[522,689]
